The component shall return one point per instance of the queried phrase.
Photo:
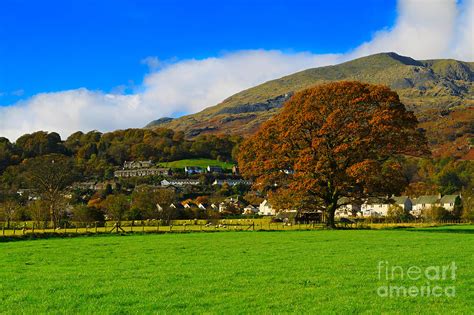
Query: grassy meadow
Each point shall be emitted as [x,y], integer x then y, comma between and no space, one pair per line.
[233,272]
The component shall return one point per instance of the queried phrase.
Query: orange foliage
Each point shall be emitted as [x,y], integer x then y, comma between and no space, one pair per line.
[331,141]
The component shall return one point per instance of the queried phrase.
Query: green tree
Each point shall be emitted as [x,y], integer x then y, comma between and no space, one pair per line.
[83,213]
[117,207]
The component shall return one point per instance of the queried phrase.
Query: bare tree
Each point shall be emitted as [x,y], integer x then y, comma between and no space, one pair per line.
[164,199]
[39,213]
[50,175]
[9,210]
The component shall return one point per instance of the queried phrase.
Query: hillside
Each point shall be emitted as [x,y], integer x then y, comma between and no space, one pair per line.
[440,92]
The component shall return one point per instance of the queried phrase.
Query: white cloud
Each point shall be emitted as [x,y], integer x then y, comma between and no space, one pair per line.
[69,111]
[424,29]
[152,62]
[463,41]
[191,85]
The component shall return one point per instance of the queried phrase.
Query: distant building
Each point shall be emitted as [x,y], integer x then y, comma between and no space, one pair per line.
[250,209]
[192,170]
[374,207]
[265,208]
[235,170]
[347,207]
[215,169]
[202,206]
[137,164]
[449,201]
[232,182]
[176,205]
[404,202]
[424,203]
[222,207]
[380,206]
[139,169]
[180,182]
[142,172]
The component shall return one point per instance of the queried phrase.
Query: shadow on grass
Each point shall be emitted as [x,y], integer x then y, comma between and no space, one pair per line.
[441,230]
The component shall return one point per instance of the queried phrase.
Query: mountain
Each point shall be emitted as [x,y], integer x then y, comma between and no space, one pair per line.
[159,122]
[440,92]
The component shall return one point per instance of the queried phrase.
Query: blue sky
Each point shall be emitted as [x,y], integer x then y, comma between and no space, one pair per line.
[59,45]
[70,65]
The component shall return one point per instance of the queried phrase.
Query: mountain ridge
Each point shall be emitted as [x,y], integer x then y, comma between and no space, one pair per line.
[439,91]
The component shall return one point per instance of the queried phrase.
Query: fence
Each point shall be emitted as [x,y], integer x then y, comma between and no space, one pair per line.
[182,226]
[149,227]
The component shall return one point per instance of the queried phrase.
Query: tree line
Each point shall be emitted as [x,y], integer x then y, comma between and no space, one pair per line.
[98,153]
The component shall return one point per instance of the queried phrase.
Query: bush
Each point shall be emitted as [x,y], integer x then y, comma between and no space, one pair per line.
[436,214]
[397,214]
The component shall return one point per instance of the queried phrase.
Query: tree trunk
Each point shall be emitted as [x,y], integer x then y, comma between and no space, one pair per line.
[330,223]
[330,213]
[53,219]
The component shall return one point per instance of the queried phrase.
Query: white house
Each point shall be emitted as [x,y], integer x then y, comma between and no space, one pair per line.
[190,170]
[424,203]
[232,182]
[214,169]
[379,206]
[449,201]
[180,182]
[347,208]
[202,206]
[265,208]
[250,209]
[404,202]
[374,207]
[222,207]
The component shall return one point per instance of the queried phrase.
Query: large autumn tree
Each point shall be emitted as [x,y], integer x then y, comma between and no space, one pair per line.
[332,141]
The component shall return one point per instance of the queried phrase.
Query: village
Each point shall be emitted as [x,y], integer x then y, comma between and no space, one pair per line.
[194,181]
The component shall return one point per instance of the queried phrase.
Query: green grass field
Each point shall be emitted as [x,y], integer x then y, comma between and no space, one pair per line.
[197,162]
[233,272]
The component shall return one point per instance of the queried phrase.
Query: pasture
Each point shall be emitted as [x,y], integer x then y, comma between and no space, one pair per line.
[234,272]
